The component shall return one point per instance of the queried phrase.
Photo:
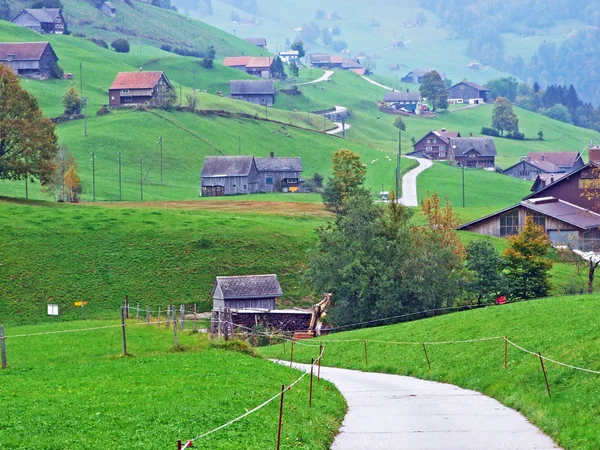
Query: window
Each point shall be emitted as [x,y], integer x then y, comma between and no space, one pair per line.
[442,155]
[428,147]
[124,91]
[127,99]
[509,223]
[539,219]
[245,187]
[9,57]
[443,148]
[429,141]
[269,180]
[471,155]
[434,141]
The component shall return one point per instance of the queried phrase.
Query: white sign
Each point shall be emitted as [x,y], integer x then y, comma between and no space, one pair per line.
[53,310]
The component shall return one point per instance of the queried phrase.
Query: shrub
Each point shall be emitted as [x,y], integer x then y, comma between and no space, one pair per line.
[120,45]
[488,131]
[541,135]
[80,35]
[517,136]
[166,47]
[99,42]
[56,70]
[103,111]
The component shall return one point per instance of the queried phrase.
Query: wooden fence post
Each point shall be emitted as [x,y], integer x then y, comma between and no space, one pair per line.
[195,325]
[366,354]
[123,328]
[3,346]
[292,354]
[545,375]
[426,355]
[174,317]
[168,316]
[126,306]
[226,324]
[137,313]
[182,316]
[280,416]
[320,356]
[175,339]
[505,352]
[312,365]
[147,315]
[158,317]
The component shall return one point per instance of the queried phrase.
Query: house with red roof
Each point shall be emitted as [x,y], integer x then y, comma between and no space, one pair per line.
[436,145]
[258,66]
[135,88]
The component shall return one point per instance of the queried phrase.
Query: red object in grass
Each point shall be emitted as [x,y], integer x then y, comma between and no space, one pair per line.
[501,300]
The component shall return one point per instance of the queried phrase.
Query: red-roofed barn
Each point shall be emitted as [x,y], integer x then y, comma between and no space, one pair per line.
[134,88]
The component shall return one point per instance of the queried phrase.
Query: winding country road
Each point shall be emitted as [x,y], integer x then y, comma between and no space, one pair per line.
[409,182]
[325,77]
[392,412]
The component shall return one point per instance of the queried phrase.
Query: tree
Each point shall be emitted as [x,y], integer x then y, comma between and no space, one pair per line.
[320,14]
[209,57]
[72,102]
[399,124]
[527,263]
[310,32]
[336,31]
[72,185]
[294,71]
[593,261]
[338,46]
[503,87]
[348,174]
[4,10]
[421,20]
[326,37]
[28,143]
[56,182]
[434,90]
[277,70]
[558,112]
[165,97]
[485,280]
[504,117]
[120,45]
[299,47]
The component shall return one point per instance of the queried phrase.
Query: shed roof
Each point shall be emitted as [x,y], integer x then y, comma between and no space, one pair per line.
[279,164]
[396,96]
[236,61]
[446,135]
[259,61]
[336,59]
[261,42]
[249,87]
[44,15]
[560,159]
[137,80]
[482,145]
[23,51]
[227,166]
[322,58]
[247,286]
[471,84]
[350,64]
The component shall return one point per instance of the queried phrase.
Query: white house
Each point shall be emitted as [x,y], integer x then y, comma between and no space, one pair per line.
[289,56]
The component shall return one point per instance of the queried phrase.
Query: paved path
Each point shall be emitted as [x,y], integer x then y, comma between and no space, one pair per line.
[339,129]
[388,412]
[376,83]
[409,182]
[325,77]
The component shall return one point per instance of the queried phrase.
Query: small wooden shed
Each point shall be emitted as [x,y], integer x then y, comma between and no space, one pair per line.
[246,292]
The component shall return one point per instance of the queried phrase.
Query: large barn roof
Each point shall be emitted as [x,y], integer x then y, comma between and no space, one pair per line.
[248,87]
[483,146]
[248,286]
[257,41]
[401,96]
[23,51]
[137,80]
[279,164]
[227,166]
[44,15]
[236,61]
[259,61]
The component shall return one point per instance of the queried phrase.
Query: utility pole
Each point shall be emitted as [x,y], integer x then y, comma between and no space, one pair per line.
[120,188]
[308,109]
[85,116]
[27,187]
[93,177]
[141,179]
[195,106]
[161,160]
[398,163]
[463,182]
[80,78]
[266,112]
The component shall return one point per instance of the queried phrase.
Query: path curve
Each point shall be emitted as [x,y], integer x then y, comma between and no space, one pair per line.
[376,83]
[325,77]
[409,182]
[339,129]
[398,412]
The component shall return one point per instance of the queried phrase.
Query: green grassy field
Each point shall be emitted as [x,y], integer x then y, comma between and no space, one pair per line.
[74,389]
[560,328]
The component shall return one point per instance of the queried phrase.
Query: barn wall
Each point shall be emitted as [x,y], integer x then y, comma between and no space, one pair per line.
[568,190]
[27,20]
[264,187]
[465,92]
[255,303]
[278,320]
[257,99]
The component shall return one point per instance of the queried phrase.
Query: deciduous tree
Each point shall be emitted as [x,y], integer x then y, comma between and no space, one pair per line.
[28,143]
[72,102]
[72,185]
[348,174]
[294,71]
[120,45]
[485,279]
[504,117]
[299,47]
[434,90]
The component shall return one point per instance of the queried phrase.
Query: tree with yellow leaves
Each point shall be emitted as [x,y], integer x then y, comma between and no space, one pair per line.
[348,174]
[72,185]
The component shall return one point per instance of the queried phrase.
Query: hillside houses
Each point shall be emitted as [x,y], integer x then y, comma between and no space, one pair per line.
[258,41]
[327,62]
[436,145]
[467,92]
[259,92]
[258,66]
[234,175]
[473,152]
[135,88]
[544,165]
[247,291]
[406,101]
[415,76]
[41,20]
[29,59]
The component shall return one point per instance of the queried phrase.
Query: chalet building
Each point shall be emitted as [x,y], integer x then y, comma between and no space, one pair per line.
[565,223]
[545,179]
[325,61]
[467,92]
[284,171]
[289,56]
[229,175]
[436,145]
[246,292]
[415,76]
[109,9]
[259,42]
[350,64]
[545,163]
[29,59]
[258,66]
[236,62]
[136,88]
[42,20]
[477,152]
[407,101]
[259,92]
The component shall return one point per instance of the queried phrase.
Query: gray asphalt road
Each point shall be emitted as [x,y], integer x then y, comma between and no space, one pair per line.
[409,182]
[396,412]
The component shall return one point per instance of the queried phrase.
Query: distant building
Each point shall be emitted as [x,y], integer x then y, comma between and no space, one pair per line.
[109,9]
[41,20]
[229,175]
[135,88]
[246,292]
[415,76]
[259,42]
[349,64]
[545,163]
[236,62]
[289,56]
[259,92]
[467,92]
[407,101]
[283,171]
[326,61]
[258,66]
[29,59]
[436,145]
[474,151]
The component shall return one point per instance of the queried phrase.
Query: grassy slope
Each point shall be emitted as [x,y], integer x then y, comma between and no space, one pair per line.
[81,393]
[559,328]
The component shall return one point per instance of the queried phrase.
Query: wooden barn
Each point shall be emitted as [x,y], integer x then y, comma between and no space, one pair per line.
[467,92]
[283,171]
[246,292]
[29,59]
[41,20]
[135,88]
[259,92]
[477,152]
[259,42]
[545,163]
[229,175]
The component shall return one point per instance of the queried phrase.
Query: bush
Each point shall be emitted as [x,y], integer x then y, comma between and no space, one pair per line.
[99,42]
[541,135]
[166,47]
[80,35]
[103,111]
[517,136]
[120,45]
[488,131]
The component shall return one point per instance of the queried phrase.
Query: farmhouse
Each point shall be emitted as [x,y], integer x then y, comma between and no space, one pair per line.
[259,92]
[29,59]
[415,76]
[467,92]
[545,163]
[134,88]
[275,172]
[259,42]
[229,175]
[407,101]
[436,145]
[474,151]
[325,61]
[109,9]
[41,20]
[258,66]
[249,291]
[289,56]
[236,62]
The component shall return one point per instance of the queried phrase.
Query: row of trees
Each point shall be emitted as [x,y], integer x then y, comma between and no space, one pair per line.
[378,263]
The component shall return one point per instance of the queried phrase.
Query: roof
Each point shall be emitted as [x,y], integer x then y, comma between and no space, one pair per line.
[396,96]
[227,166]
[259,61]
[552,207]
[110,5]
[234,61]
[445,135]
[482,145]
[336,59]
[420,71]
[246,87]
[559,159]
[257,41]
[289,53]
[359,71]
[319,58]
[574,172]
[44,15]
[137,80]
[546,178]
[471,84]
[248,286]
[279,164]
[350,64]
[23,51]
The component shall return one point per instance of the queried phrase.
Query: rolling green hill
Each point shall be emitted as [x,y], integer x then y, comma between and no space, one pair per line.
[559,328]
